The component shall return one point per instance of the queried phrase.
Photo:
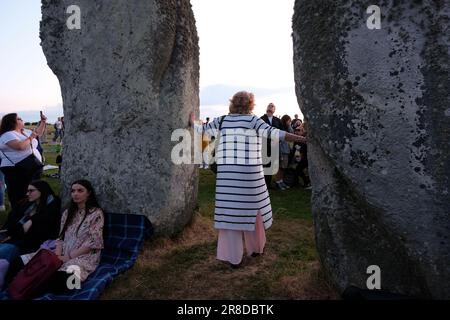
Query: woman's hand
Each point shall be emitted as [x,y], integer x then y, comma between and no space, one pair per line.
[64,259]
[43,118]
[27,225]
[191,119]
[58,248]
[294,138]
[39,131]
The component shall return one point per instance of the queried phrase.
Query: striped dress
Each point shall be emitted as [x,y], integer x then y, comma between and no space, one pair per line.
[241,191]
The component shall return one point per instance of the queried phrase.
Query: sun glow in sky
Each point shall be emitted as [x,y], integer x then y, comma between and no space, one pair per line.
[244,45]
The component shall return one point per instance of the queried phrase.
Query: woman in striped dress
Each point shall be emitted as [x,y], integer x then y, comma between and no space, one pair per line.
[242,206]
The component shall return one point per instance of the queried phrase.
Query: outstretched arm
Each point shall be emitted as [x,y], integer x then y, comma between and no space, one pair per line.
[191,119]
[289,137]
[41,127]
[267,131]
[209,129]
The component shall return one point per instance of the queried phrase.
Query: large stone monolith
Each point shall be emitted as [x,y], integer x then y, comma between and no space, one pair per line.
[129,78]
[378,107]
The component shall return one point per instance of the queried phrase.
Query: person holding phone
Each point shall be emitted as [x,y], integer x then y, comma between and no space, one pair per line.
[16,144]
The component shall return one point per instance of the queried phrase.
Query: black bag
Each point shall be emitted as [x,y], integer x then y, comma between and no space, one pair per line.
[213,165]
[28,166]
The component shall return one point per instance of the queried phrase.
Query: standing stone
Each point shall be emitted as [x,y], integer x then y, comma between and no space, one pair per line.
[129,78]
[377,104]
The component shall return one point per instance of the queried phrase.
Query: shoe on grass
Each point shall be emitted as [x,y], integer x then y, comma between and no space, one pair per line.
[285,185]
[279,186]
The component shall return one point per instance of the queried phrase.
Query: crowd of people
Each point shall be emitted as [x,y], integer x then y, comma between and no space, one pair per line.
[293,159]
[242,208]
[293,156]
[36,220]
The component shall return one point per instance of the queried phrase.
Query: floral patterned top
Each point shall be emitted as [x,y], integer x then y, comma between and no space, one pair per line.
[89,234]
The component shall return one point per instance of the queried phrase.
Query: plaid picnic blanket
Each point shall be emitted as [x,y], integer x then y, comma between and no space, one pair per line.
[124,235]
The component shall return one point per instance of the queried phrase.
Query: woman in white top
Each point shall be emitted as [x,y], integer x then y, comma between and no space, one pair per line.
[17,143]
[243,206]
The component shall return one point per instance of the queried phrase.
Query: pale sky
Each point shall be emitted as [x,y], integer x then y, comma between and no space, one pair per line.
[244,45]
[247,44]
[26,82]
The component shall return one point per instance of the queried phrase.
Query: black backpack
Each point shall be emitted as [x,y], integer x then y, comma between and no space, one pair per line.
[213,165]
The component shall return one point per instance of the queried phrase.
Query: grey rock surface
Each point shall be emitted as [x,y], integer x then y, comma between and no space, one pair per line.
[377,103]
[129,78]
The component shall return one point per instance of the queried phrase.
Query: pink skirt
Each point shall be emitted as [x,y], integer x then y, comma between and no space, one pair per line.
[230,245]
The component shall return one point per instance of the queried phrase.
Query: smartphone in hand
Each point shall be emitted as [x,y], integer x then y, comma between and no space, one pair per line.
[43,118]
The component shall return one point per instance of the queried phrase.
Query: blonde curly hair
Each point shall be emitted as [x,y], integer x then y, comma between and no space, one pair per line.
[242,102]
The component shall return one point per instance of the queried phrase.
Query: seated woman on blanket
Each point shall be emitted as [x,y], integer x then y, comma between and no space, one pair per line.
[80,242]
[36,219]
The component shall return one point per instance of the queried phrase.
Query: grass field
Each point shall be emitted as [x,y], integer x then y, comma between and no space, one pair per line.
[184,266]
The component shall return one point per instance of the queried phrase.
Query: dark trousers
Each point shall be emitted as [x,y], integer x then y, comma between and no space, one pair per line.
[15,266]
[266,154]
[57,135]
[57,284]
[300,169]
[17,184]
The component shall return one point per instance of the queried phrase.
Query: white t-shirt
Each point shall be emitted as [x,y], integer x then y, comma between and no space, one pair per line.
[58,125]
[16,155]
